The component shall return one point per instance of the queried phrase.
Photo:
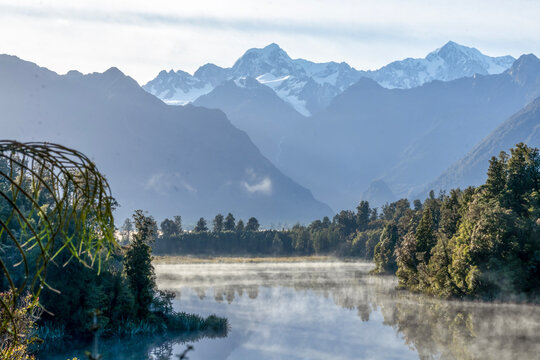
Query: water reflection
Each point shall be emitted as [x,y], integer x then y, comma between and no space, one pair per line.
[330,311]
[337,310]
[157,347]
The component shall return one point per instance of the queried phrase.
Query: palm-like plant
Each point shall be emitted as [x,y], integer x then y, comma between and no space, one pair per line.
[52,200]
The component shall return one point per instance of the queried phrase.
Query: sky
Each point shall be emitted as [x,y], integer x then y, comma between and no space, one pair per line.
[143,37]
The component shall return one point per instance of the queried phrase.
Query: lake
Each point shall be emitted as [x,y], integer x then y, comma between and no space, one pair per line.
[327,310]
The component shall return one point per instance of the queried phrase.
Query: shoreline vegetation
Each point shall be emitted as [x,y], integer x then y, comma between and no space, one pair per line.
[479,243]
[126,297]
[64,276]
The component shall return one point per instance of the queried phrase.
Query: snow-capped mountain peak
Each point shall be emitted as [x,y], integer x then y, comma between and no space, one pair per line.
[309,87]
[270,59]
[449,62]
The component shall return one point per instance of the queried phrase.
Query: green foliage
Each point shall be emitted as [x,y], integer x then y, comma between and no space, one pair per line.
[218,223]
[383,256]
[53,202]
[252,224]
[138,264]
[201,226]
[480,242]
[16,341]
[425,236]
[362,215]
[240,226]
[170,228]
[229,224]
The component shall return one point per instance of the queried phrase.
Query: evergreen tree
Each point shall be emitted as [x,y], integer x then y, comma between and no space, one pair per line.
[345,222]
[240,226]
[450,214]
[374,214]
[218,223]
[201,226]
[169,228]
[138,264]
[252,224]
[384,250]
[326,222]
[362,216]
[523,168]
[277,244]
[178,223]
[229,222]
[425,235]
[496,176]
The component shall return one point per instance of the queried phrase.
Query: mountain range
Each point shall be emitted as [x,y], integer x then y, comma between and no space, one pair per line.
[404,137]
[309,87]
[242,146]
[169,160]
[401,139]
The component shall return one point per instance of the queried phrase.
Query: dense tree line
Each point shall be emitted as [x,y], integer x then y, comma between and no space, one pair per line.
[120,285]
[123,291]
[229,236]
[479,242]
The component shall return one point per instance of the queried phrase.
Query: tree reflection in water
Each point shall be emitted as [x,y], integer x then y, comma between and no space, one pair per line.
[435,329]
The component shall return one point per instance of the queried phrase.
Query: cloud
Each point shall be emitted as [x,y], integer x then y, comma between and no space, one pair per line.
[331,29]
[263,187]
[92,36]
[163,183]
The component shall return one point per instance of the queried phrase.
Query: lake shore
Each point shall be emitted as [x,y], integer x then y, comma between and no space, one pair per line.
[244,259]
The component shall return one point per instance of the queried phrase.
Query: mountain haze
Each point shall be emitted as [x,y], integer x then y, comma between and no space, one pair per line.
[406,137]
[309,87]
[165,159]
[524,127]
[258,111]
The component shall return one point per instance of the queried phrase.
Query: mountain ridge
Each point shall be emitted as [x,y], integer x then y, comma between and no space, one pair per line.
[405,137]
[169,160]
[309,87]
[523,126]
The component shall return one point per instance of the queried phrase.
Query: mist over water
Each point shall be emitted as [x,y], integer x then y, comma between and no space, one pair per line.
[328,310]
[336,310]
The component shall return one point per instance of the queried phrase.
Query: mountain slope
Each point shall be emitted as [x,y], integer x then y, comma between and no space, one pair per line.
[310,87]
[257,110]
[524,127]
[165,159]
[404,136]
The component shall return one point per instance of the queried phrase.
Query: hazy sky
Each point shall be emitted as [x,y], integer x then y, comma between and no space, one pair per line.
[143,37]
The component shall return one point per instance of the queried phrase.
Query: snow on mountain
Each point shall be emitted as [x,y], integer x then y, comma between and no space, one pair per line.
[310,87]
[450,62]
[178,88]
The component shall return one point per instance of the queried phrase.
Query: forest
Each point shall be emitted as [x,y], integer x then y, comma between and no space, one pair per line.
[62,267]
[479,242]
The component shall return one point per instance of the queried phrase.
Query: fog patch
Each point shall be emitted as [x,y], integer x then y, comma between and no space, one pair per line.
[264,186]
[293,310]
[163,183]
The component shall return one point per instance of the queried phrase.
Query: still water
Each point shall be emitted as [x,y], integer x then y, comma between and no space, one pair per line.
[329,310]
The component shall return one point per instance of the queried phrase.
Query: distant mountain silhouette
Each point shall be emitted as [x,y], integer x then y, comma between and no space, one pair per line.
[168,160]
[309,87]
[378,194]
[407,137]
[258,111]
[524,127]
